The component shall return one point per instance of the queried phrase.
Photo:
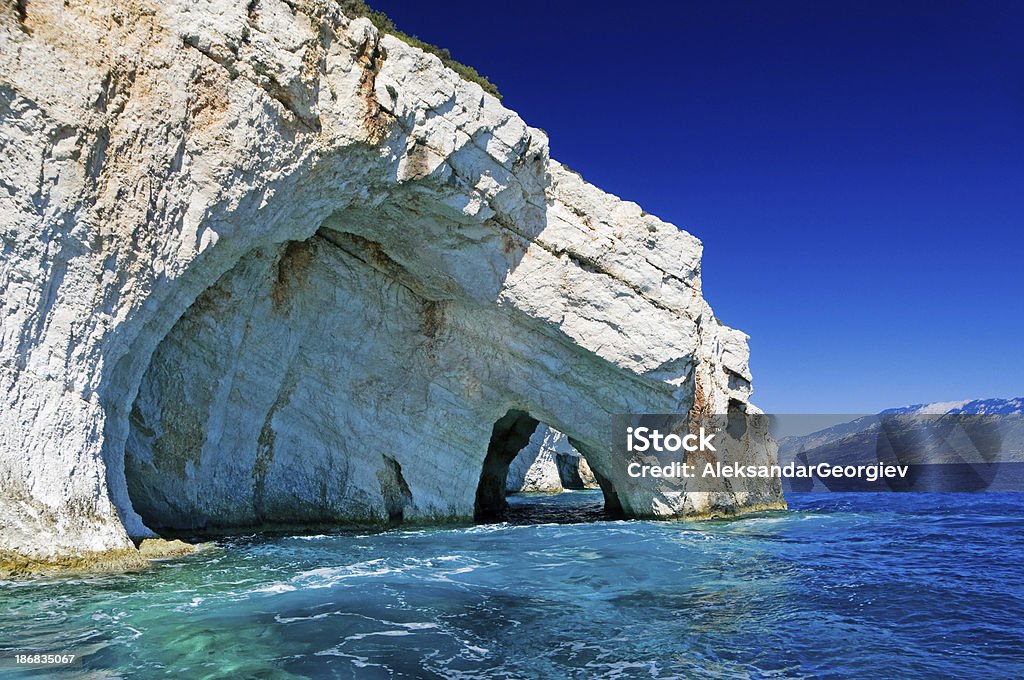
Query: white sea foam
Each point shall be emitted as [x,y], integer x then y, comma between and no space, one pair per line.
[325,577]
[382,633]
[440,567]
[293,619]
[274,588]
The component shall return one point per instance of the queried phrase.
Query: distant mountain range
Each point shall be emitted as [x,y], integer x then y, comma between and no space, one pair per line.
[861,439]
[979,406]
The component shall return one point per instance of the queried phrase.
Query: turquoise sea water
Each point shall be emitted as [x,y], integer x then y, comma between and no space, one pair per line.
[844,585]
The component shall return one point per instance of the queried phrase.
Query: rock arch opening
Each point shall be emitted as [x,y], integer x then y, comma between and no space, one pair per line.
[318,382]
[549,464]
[525,455]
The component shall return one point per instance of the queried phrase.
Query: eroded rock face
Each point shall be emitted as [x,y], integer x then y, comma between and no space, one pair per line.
[549,464]
[281,268]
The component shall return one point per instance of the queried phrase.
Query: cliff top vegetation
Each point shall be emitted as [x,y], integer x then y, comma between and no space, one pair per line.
[358,8]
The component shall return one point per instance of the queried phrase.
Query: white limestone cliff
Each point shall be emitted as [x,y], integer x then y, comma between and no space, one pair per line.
[281,268]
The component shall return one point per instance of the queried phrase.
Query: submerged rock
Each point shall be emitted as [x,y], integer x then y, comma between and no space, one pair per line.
[158,549]
[262,264]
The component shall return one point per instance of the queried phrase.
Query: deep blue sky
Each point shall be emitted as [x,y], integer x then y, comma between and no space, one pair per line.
[854,169]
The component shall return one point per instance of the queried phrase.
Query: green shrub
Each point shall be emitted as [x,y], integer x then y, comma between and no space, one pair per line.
[358,8]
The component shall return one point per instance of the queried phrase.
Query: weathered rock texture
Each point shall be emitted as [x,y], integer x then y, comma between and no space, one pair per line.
[264,265]
[549,464]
